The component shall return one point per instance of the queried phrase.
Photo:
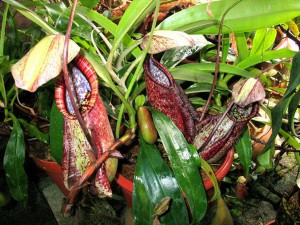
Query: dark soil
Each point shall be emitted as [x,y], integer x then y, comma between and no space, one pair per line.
[35,212]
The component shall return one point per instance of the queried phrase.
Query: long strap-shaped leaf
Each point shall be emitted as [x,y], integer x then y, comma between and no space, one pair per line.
[247,15]
[244,150]
[183,165]
[293,107]
[201,72]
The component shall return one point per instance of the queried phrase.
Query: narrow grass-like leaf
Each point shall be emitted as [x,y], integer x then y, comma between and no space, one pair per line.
[211,175]
[225,47]
[187,74]
[202,72]
[153,181]
[267,55]
[56,133]
[183,164]
[107,24]
[204,87]
[13,163]
[133,16]
[131,19]
[244,150]
[247,15]
[5,67]
[278,111]
[242,46]
[34,131]
[293,106]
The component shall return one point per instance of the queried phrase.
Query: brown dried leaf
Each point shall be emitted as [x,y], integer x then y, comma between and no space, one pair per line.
[248,91]
[163,206]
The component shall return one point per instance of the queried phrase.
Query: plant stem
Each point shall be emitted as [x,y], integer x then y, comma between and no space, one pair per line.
[2,37]
[217,62]
[290,35]
[216,126]
[4,19]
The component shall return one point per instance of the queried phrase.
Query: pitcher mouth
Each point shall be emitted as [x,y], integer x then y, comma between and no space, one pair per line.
[84,84]
[157,73]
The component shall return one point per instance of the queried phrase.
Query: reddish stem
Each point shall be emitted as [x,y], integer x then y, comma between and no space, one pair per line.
[215,76]
[217,62]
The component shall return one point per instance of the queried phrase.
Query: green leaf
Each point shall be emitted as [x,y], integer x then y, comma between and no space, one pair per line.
[13,163]
[202,72]
[107,24]
[267,55]
[242,45]
[5,66]
[174,56]
[89,3]
[211,175]
[204,87]
[98,18]
[297,156]
[34,131]
[278,111]
[56,133]
[246,15]
[183,164]
[60,15]
[153,181]
[244,150]
[263,40]
[131,19]
[293,106]
[188,74]
[45,100]
[266,158]
[201,102]
[225,47]
[133,16]
[32,16]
